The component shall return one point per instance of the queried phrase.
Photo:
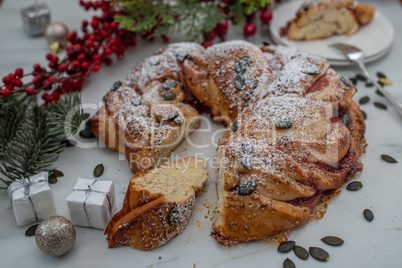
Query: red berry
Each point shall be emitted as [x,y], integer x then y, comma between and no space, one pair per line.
[6,80]
[51,79]
[95,68]
[165,38]
[19,72]
[63,67]
[114,25]
[85,65]
[84,23]
[249,29]
[30,91]
[6,92]
[225,1]
[75,64]
[49,56]
[81,57]
[17,83]
[52,64]
[11,76]
[37,67]
[95,24]
[89,43]
[222,28]
[207,43]
[266,16]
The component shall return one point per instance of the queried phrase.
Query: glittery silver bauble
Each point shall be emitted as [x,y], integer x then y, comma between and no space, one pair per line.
[56,34]
[55,236]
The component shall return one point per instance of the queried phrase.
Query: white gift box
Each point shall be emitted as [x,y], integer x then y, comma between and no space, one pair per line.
[32,199]
[91,203]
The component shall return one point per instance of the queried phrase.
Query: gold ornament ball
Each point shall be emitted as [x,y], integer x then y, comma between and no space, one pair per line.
[55,236]
[56,32]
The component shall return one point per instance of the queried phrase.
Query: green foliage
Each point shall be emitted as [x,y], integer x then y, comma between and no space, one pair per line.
[193,17]
[31,135]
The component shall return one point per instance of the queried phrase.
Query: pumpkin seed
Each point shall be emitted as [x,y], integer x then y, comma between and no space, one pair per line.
[116,85]
[354,186]
[283,124]
[286,246]
[87,134]
[174,216]
[178,120]
[247,147]
[180,54]
[170,116]
[364,114]
[361,77]
[68,143]
[353,80]
[235,126]
[385,82]
[247,188]
[301,252]
[239,82]
[265,43]
[311,71]
[52,179]
[57,173]
[319,254]
[288,263]
[346,119]
[378,92]
[345,81]
[31,230]
[136,101]
[240,66]
[381,75]
[369,84]
[98,171]
[332,241]
[170,84]
[167,95]
[307,6]
[85,116]
[364,100]
[380,82]
[380,105]
[153,61]
[368,215]
[388,158]
[246,161]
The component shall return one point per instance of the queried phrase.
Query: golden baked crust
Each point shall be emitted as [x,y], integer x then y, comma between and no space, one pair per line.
[289,167]
[318,19]
[145,221]
[295,133]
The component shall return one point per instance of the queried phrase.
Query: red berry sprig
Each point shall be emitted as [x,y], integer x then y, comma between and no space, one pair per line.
[99,40]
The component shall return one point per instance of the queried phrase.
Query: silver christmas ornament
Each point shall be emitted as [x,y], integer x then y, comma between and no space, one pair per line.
[56,35]
[55,236]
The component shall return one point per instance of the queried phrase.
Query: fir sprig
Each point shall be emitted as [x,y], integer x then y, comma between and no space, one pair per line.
[31,141]
[161,17]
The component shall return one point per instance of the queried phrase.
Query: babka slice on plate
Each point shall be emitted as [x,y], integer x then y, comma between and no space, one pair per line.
[318,19]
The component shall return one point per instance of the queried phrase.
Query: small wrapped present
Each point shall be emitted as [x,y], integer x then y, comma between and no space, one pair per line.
[91,203]
[32,199]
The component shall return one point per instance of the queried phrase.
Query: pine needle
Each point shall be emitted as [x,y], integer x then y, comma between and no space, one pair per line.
[31,135]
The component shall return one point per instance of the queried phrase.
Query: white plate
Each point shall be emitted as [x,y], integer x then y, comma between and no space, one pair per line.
[375,38]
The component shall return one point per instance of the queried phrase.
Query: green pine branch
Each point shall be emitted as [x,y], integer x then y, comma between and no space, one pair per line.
[194,17]
[31,135]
